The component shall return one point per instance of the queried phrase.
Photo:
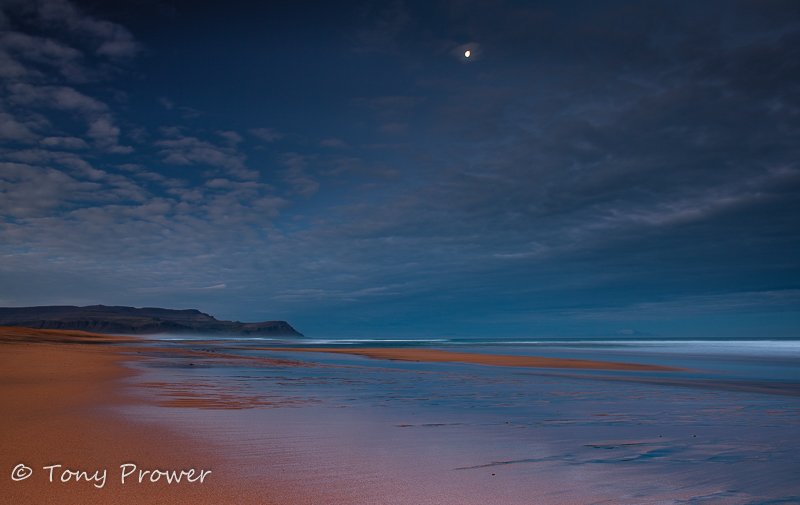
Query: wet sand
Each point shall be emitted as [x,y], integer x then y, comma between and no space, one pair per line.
[58,392]
[364,432]
[439,356]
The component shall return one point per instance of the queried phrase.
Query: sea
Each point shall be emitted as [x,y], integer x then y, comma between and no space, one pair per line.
[724,428]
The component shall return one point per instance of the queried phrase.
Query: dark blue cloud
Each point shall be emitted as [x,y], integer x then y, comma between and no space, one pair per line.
[596,169]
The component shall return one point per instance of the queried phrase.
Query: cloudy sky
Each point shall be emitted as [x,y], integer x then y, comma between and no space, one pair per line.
[593,169]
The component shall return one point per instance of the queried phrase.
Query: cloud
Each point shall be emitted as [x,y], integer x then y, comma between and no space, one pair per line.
[112,40]
[266,134]
[31,191]
[231,137]
[184,111]
[11,68]
[11,129]
[101,127]
[56,97]
[106,135]
[391,104]
[40,64]
[297,177]
[102,221]
[616,161]
[333,143]
[382,27]
[182,149]
[43,51]
[769,301]
[69,213]
[394,128]
[64,143]
[392,112]
[339,295]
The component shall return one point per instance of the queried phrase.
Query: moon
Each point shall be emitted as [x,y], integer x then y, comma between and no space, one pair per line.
[467,53]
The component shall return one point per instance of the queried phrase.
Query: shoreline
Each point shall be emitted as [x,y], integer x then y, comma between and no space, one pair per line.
[62,395]
[440,356]
[367,434]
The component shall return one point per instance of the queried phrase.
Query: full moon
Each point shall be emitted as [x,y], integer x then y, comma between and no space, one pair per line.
[467,53]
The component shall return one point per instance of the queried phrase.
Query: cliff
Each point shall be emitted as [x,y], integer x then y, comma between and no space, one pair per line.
[138,321]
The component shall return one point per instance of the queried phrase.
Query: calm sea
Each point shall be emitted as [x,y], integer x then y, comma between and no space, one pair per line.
[725,429]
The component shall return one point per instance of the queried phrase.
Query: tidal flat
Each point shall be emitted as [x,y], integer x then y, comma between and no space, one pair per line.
[305,421]
[449,421]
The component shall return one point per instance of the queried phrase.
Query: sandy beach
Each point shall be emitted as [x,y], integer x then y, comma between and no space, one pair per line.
[439,356]
[58,390]
[54,391]
[321,425]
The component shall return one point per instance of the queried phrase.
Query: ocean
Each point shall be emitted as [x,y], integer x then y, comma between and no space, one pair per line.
[723,428]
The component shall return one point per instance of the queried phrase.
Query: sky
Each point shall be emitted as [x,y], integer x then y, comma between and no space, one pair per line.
[593,169]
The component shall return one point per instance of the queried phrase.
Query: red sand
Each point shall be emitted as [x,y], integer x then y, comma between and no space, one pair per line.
[55,391]
[434,355]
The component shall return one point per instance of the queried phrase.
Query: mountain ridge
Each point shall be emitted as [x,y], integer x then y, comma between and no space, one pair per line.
[136,321]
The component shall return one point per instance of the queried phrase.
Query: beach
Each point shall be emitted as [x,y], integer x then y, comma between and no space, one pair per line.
[439,356]
[399,253]
[59,391]
[56,397]
[235,421]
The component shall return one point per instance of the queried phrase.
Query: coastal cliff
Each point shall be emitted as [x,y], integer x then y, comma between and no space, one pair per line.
[137,321]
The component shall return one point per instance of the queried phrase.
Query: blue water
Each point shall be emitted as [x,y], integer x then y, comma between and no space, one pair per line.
[724,429]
